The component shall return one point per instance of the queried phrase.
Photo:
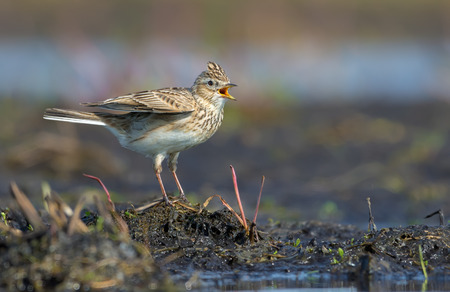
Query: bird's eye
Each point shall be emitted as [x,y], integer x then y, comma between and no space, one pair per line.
[210,83]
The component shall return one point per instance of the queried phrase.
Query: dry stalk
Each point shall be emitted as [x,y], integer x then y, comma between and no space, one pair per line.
[205,204]
[27,208]
[259,199]
[372,226]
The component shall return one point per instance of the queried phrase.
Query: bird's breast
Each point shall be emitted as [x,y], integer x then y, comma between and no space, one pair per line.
[175,136]
[206,123]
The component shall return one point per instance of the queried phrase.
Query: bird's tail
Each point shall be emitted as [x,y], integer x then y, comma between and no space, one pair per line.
[73,116]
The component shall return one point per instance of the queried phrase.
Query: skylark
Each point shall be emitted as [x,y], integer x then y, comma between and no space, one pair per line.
[160,123]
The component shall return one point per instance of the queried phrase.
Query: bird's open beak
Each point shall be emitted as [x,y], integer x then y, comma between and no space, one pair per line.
[224,91]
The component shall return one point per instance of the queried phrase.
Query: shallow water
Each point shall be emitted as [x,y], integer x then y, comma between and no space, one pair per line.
[308,281]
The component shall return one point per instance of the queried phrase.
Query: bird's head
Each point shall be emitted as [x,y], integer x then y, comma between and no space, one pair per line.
[213,84]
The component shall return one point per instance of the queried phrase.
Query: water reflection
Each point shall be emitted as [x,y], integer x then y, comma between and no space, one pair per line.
[307,281]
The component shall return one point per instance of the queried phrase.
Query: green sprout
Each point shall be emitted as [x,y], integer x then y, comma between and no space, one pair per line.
[423,263]
[100,223]
[4,218]
[334,261]
[424,270]
[341,253]
[129,215]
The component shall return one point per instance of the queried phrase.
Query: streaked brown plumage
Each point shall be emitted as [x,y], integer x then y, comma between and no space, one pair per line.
[162,122]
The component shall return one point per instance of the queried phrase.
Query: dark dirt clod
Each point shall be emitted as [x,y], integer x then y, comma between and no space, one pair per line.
[51,259]
[206,241]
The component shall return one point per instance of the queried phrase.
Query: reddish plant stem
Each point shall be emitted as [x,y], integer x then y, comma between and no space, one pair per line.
[104,188]
[259,199]
[236,190]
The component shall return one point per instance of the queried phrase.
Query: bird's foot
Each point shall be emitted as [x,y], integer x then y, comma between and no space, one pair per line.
[183,197]
[168,202]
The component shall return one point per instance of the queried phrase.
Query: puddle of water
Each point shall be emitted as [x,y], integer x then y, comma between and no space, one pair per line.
[306,281]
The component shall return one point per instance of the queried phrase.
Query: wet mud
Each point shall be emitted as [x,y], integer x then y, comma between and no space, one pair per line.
[188,247]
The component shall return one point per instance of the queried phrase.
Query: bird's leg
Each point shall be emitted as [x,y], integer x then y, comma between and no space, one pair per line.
[182,195]
[173,158]
[158,168]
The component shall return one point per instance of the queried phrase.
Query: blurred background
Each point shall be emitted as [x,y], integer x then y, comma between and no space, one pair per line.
[337,101]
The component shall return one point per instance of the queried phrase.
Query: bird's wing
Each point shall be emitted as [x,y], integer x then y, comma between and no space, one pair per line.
[166,100]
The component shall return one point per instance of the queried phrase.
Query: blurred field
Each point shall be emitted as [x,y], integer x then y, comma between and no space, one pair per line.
[337,101]
[295,50]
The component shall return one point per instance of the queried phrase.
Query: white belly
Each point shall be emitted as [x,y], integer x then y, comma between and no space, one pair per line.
[161,141]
